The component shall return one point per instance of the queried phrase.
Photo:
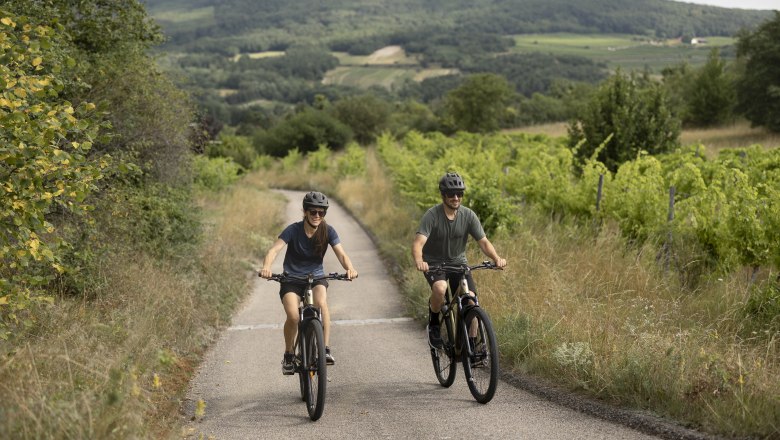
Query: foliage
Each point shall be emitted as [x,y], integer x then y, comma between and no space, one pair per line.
[711,98]
[633,114]
[44,163]
[726,211]
[352,162]
[215,173]
[306,131]
[366,115]
[237,148]
[479,104]
[758,87]
[292,160]
[320,159]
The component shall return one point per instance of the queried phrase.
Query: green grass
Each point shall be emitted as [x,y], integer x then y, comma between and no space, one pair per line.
[627,51]
[365,77]
[386,56]
[186,14]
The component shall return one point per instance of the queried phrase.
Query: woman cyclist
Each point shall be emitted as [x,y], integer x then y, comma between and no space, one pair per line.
[307,241]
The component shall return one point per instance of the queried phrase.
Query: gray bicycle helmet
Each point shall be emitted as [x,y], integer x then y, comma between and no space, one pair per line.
[451,182]
[315,199]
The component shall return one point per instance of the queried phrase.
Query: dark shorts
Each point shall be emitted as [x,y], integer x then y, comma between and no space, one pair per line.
[452,278]
[298,288]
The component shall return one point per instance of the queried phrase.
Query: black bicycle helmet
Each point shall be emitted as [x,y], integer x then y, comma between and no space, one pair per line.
[315,199]
[451,182]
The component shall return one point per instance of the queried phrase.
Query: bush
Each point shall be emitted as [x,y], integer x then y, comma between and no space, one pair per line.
[238,148]
[305,131]
[634,113]
[215,173]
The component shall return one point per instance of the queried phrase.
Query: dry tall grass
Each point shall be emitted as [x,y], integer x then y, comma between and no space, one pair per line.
[116,365]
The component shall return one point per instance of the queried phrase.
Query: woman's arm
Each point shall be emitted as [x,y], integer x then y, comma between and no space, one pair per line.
[346,263]
[270,256]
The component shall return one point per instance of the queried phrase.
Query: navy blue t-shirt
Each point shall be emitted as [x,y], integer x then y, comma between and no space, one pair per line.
[300,258]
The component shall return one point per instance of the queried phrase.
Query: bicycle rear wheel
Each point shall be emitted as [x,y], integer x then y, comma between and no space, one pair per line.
[444,363]
[480,355]
[313,370]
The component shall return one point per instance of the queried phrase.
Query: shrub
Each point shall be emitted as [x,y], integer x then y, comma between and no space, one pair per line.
[215,173]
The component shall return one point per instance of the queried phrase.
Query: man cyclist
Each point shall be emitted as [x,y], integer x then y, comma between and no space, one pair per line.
[441,239]
[306,241]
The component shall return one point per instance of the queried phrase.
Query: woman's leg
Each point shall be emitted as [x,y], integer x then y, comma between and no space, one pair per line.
[290,300]
[321,301]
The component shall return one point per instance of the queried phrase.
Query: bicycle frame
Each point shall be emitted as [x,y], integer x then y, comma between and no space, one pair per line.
[454,307]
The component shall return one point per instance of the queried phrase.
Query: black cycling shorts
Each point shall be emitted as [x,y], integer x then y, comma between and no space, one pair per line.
[452,278]
[298,288]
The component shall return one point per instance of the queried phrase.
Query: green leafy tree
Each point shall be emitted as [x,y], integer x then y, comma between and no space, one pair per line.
[710,98]
[44,164]
[306,131]
[479,105]
[366,115]
[758,88]
[628,114]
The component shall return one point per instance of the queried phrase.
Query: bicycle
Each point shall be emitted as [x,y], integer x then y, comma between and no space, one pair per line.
[468,335]
[310,343]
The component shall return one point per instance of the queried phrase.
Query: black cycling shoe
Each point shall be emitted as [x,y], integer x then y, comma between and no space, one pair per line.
[434,336]
[288,364]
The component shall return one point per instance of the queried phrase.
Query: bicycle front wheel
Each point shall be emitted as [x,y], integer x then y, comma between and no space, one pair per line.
[480,355]
[444,363]
[313,370]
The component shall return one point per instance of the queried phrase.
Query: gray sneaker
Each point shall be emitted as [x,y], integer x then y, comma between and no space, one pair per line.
[329,357]
[288,364]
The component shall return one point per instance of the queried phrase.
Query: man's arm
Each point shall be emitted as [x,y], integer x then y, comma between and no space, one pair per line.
[417,247]
[487,248]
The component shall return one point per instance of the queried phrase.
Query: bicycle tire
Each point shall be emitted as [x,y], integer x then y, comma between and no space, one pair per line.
[302,381]
[444,362]
[313,368]
[480,355]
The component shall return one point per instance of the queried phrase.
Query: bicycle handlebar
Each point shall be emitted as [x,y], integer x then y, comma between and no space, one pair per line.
[463,268]
[281,277]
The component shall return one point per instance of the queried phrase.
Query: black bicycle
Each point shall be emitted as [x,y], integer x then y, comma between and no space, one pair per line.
[310,344]
[467,334]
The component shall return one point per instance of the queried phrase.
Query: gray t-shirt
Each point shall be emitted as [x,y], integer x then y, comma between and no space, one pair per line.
[447,238]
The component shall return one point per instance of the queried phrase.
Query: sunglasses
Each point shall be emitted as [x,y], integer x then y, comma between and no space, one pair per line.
[450,195]
[317,212]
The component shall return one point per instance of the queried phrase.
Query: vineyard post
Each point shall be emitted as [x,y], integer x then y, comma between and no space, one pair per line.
[669,219]
[597,218]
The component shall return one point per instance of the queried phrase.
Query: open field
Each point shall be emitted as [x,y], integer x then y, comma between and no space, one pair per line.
[626,51]
[258,55]
[386,67]
[386,55]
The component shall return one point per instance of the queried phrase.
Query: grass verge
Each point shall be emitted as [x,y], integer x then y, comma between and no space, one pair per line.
[115,363]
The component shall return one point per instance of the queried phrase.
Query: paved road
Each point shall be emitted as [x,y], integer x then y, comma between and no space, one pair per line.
[382,385]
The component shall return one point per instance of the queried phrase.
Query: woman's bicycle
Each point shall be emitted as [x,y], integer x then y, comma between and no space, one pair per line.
[310,343]
[467,335]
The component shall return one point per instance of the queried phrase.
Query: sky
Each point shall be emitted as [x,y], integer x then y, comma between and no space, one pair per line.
[742,4]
